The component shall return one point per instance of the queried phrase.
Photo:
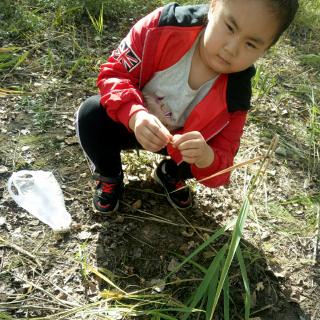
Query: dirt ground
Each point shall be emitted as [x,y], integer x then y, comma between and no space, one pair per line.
[41,274]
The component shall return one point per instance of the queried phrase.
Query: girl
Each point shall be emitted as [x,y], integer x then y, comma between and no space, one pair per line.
[195,63]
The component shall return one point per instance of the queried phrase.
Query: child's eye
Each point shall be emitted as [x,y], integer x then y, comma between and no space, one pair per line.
[251,45]
[229,27]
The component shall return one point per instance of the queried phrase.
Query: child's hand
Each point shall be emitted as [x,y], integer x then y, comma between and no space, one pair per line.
[194,149]
[149,131]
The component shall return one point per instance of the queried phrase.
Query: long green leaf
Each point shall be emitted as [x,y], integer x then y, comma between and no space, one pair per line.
[205,283]
[226,299]
[236,236]
[247,299]
[212,291]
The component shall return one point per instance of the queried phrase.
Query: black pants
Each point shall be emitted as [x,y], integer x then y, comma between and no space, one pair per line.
[102,139]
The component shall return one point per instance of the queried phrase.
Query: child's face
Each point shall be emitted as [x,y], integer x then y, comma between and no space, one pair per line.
[237,34]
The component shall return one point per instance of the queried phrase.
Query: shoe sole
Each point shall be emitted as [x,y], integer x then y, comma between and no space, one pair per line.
[106,212]
[158,181]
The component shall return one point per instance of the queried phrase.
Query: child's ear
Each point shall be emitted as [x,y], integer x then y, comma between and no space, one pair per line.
[212,7]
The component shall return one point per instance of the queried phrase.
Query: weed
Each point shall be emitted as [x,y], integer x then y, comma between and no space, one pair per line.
[10,59]
[82,258]
[97,22]
[42,117]
[263,82]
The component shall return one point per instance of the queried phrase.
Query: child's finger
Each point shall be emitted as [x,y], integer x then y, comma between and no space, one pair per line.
[162,132]
[176,139]
[180,138]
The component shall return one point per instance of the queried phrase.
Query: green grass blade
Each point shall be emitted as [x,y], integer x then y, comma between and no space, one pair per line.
[226,299]
[212,291]
[211,239]
[195,264]
[236,236]
[247,301]
[207,280]
[21,59]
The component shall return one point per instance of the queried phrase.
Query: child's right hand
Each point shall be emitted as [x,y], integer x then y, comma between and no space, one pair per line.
[149,131]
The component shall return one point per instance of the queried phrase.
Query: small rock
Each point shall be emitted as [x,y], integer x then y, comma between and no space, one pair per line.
[119,219]
[2,221]
[76,226]
[72,128]
[25,148]
[84,235]
[259,286]
[25,131]
[158,285]
[265,235]
[95,227]
[281,151]
[3,169]
[71,140]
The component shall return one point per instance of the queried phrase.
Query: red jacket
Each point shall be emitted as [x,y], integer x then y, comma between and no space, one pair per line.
[155,43]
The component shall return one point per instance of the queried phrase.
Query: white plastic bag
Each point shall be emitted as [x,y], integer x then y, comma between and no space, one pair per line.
[39,193]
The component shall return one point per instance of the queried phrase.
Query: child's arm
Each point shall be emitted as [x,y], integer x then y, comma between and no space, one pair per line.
[118,80]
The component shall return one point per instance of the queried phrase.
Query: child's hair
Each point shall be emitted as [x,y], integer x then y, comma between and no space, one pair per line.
[284,10]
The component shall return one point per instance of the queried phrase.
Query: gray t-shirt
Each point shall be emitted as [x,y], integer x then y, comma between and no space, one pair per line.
[169,96]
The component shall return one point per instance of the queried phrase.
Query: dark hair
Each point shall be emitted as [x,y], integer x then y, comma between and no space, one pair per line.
[285,10]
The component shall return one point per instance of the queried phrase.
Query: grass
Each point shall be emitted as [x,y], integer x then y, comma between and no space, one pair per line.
[72,39]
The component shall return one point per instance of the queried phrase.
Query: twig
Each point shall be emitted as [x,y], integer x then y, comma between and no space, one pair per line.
[166,222]
[19,249]
[147,213]
[263,167]
[54,299]
[238,165]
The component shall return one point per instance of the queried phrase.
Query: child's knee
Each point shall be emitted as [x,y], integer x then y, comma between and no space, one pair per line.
[89,108]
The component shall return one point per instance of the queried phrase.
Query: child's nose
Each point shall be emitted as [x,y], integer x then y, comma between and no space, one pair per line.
[232,47]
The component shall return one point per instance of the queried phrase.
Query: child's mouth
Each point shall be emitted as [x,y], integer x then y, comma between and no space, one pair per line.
[223,60]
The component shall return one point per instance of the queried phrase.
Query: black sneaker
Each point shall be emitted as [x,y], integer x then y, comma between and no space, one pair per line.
[181,198]
[107,194]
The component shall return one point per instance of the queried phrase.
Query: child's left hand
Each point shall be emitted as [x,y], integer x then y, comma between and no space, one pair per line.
[194,148]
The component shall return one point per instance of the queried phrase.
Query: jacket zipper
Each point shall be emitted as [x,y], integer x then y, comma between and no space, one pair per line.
[218,130]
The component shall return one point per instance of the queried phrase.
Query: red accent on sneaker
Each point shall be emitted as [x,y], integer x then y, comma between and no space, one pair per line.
[107,187]
[103,206]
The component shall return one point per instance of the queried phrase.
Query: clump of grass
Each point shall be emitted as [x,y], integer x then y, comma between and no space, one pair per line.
[42,116]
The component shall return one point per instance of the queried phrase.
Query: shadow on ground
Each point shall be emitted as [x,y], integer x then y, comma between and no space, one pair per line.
[139,246]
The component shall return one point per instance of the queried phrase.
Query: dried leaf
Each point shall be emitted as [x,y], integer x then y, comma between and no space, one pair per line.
[137,204]
[172,264]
